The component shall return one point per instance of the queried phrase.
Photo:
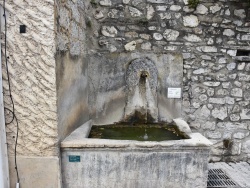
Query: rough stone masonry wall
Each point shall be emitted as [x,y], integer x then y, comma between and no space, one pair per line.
[32,76]
[216,82]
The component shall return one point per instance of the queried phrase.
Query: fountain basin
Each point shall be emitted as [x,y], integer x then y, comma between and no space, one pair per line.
[140,132]
[107,163]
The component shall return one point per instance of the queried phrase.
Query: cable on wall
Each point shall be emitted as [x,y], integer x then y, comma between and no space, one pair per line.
[12,111]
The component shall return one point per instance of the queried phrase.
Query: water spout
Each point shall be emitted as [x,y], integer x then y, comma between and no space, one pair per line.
[143,89]
[141,78]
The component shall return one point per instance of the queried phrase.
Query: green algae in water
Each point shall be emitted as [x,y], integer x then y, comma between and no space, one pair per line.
[146,132]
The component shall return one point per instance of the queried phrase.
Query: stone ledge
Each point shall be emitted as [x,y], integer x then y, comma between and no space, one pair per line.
[242,58]
[78,139]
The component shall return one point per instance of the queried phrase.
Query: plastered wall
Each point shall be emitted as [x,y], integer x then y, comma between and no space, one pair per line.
[71,66]
[33,83]
[32,77]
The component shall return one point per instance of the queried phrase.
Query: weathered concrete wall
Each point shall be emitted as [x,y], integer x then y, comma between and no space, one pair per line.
[215,93]
[144,168]
[33,83]
[71,66]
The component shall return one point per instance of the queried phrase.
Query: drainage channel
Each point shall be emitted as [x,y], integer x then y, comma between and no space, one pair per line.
[218,178]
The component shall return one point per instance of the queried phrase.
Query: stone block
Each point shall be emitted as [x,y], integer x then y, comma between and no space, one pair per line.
[246,146]
[170,35]
[217,151]
[134,12]
[240,134]
[229,100]
[161,1]
[208,126]
[235,148]
[165,16]
[150,12]
[203,112]
[245,37]
[199,71]
[215,8]
[212,84]
[222,60]
[231,52]
[232,76]
[213,134]
[228,32]
[234,117]
[131,34]
[161,7]
[217,100]
[157,36]
[126,1]
[195,125]
[220,113]
[231,66]
[237,92]
[226,85]
[206,57]
[203,97]
[170,48]
[175,7]
[106,2]
[245,115]
[201,9]
[222,92]
[232,125]
[190,21]
[207,49]
[240,13]
[146,46]
[131,46]
[192,38]
[210,92]
[109,31]
[237,83]
[247,96]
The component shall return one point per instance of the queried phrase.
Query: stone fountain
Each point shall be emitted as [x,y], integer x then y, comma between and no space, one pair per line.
[141,81]
[150,95]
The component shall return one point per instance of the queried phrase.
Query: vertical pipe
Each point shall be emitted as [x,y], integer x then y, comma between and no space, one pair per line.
[4,167]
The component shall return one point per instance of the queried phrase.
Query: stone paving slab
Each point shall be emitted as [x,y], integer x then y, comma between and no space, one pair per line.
[239,172]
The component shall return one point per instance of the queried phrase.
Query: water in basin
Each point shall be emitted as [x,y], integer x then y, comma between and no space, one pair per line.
[140,132]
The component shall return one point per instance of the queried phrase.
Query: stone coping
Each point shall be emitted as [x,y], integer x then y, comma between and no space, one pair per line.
[79,139]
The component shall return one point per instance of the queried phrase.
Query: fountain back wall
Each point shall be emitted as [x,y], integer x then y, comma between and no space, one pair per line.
[109,92]
[92,69]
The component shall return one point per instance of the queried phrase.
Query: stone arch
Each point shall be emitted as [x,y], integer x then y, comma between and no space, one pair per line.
[136,68]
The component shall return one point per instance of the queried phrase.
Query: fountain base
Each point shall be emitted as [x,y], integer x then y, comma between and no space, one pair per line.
[134,164]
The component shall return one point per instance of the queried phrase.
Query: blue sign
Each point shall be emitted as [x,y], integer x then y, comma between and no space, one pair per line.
[74,158]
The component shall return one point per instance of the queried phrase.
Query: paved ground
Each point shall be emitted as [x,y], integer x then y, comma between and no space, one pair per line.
[239,172]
